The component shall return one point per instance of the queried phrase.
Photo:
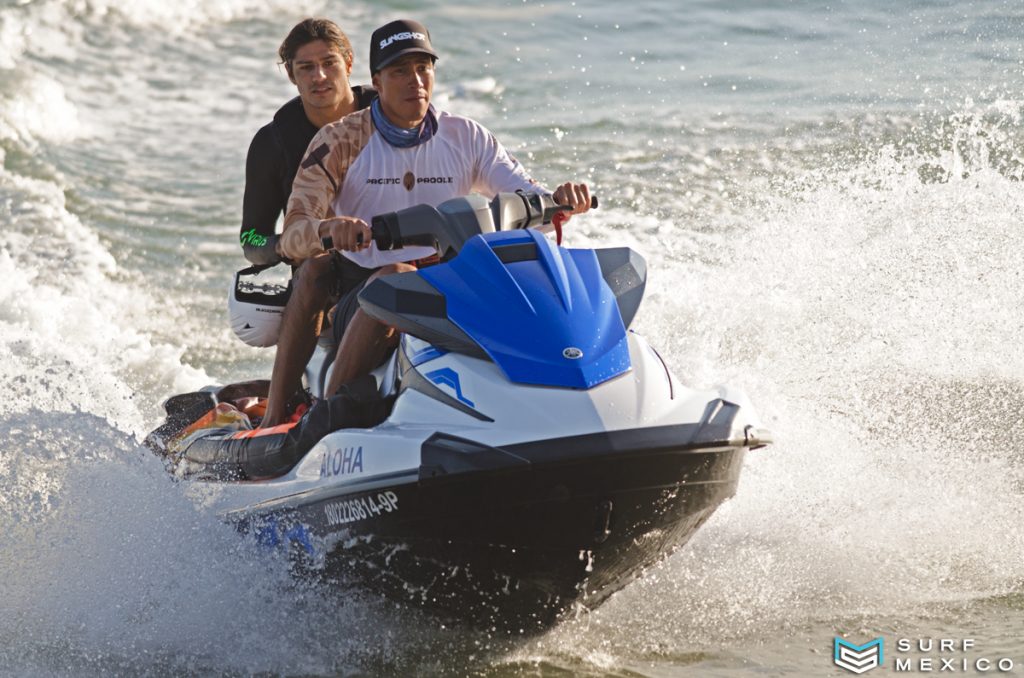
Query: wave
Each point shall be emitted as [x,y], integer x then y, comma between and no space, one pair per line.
[871,308]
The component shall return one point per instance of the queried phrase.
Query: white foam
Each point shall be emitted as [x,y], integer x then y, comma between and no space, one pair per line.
[71,335]
[874,317]
[13,40]
[36,107]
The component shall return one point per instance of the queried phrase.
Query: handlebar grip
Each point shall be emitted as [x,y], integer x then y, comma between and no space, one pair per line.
[328,243]
[385,231]
[593,204]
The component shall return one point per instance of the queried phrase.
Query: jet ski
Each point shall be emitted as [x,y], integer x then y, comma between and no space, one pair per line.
[522,454]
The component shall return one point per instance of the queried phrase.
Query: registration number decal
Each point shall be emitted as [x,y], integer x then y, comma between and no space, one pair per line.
[361,508]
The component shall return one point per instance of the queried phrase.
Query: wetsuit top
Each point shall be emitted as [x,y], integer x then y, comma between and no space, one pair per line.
[273,159]
[351,170]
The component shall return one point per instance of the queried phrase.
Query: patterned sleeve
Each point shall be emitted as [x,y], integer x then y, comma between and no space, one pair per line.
[318,181]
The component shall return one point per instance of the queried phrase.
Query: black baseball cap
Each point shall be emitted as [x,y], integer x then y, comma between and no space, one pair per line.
[397,39]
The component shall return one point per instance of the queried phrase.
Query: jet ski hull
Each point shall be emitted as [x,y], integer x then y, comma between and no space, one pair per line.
[515,546]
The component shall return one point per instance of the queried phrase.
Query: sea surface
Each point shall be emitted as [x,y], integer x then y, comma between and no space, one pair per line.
[829,197]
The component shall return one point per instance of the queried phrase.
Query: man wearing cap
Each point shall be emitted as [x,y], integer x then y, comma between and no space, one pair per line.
[397,153]
[317,56]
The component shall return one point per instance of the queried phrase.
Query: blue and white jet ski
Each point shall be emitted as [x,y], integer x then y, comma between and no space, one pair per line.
[522,451]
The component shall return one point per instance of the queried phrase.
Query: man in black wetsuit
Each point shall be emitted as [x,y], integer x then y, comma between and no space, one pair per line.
[318,57]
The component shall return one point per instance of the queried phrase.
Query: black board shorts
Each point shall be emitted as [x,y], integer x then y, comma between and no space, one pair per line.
[351,279]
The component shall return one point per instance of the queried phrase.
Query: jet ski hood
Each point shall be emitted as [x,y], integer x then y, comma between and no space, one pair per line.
[544,314]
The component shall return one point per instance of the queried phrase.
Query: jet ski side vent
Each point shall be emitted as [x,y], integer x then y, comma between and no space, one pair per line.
[625,271]
[516,252]
[443,454]
[410,303]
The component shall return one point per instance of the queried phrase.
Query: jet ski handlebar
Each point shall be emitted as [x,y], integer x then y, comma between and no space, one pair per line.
[449,225]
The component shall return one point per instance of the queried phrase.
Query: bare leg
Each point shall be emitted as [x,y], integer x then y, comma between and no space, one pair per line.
[364,346]
[366,341]
[300,327]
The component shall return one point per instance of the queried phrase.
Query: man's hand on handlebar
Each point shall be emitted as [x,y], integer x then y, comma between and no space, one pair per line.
[346,233]
[573,195]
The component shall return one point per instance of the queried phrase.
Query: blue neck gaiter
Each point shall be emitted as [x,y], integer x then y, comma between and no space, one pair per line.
[401,137]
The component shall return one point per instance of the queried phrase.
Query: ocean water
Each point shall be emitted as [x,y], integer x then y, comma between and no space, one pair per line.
[829,197]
